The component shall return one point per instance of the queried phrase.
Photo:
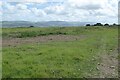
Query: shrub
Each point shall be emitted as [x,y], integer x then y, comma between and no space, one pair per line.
[87,24]
[114,24]
[31,26]
[106,24]
[98,24]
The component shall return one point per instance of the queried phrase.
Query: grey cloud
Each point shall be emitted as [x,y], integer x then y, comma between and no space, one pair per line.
[58,10]
[95,13]
[90,7]
[55,12]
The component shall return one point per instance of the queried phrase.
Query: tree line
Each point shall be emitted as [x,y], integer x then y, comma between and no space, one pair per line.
[100,24]
[97,24]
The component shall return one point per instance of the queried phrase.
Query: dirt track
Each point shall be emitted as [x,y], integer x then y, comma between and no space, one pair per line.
[109,65]
[18,41]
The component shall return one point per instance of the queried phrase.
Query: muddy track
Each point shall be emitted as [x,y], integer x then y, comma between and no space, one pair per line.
[18,41]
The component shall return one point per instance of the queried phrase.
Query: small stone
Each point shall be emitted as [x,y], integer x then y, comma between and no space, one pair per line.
[97,68]
[111,50]
[112,67]
[98,63]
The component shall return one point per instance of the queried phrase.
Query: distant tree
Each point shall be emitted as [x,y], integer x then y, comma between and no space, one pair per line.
[88,25]
[114,24]
[98,24]
[31,26]
[106,24]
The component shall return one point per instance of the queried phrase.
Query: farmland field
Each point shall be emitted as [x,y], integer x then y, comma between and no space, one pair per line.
[60,52]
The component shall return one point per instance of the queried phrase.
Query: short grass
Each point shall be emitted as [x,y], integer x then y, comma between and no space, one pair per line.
[60,59]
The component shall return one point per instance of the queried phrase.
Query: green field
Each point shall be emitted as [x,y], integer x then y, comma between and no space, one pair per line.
[55,58]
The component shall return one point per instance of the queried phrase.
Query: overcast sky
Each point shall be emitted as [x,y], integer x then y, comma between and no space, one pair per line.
[105,11]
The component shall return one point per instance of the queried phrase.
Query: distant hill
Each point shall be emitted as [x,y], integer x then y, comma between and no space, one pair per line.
[42,23]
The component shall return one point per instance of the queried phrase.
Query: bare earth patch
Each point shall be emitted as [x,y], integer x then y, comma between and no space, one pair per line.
[18,41]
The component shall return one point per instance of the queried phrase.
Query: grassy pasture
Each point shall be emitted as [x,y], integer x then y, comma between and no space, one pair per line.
[33,32]
[57,59]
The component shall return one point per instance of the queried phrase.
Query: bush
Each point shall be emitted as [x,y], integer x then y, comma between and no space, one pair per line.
[31,26]
[114,24]
[98,24]
[106,24]
[87,24]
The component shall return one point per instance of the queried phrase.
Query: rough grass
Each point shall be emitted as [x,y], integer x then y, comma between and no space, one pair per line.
[58,59]
[33,32]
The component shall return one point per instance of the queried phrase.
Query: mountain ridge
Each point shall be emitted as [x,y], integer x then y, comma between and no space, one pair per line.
[43,23]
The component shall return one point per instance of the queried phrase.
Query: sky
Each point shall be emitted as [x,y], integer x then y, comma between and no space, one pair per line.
[104,11]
